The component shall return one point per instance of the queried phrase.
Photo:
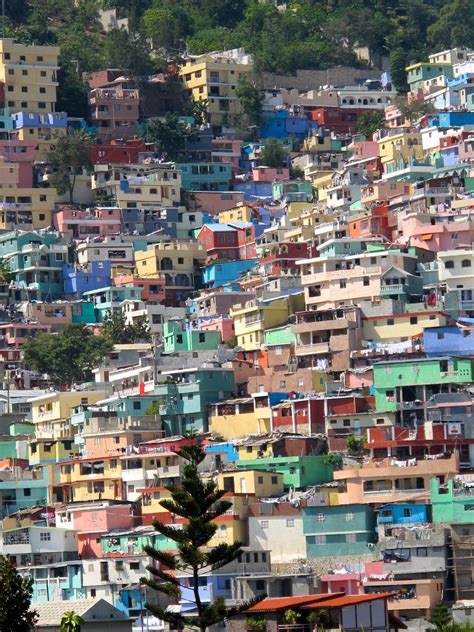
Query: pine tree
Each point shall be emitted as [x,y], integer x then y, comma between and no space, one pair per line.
[199,503]
[15,599]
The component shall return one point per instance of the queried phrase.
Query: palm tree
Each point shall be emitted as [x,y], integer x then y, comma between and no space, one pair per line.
[71,622]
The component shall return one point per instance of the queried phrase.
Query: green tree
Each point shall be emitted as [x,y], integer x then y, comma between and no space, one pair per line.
[15,599]
[167,28]
[199,502]
[398,74]
[440,616]
[355,447]
[116,331]
[454,26]
[370,122]
[71,622]
[67,357]
[72,91]
[272,155]
[171,135]
[70,159]
[251,102]
[5,271]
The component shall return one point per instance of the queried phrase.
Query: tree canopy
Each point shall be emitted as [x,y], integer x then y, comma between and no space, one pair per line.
[116,331]
[308,34]
[67,357]
[15,599]
[68,160]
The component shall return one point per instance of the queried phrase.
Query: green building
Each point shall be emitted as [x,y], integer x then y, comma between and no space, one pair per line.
[402,382]
[279,336]
[178,335]
[132,542]
[338,530]
[451,504]
[298,471]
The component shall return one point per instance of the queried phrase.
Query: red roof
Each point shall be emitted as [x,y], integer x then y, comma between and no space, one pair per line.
[348,600]
[329,600]
[279,603]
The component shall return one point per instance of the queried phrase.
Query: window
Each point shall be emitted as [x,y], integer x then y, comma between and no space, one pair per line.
[274,480]
[465,263]
[449,265]
[24,88]
[137,405]
[342,284]
[290,523]
[320,517]
[27,491]
[413,320]
[278,351]
[407,513]
[390,321]
[42,90]
[320,539]
[422,552]
[24,72]
[264,524]
[260,480]
[349,516]
[45,536]
[134,566]
[41,105]
[260,584]
[366,281]
[351,537]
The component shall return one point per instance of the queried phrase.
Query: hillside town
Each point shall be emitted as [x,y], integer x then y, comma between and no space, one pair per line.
[295,293]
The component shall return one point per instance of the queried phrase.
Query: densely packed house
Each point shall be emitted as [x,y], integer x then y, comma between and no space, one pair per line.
[311,319]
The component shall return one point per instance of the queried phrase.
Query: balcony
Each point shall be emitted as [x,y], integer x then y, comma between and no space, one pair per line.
[313,349]
[170,471]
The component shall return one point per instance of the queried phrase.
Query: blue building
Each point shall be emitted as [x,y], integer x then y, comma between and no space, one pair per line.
[49,120]
[282,124]
[397,514]
[226,448]
[452,119]
[79,279]
[254,190]
[219,274]
[448,341]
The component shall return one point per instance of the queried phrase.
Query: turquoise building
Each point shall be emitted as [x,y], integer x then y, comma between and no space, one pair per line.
[109,299]
[179,335]
[205,176]
[338,530]
[36,260]
[57,582]
[133,541]
[184,397]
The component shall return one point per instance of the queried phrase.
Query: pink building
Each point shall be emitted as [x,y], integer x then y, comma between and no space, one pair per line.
[437,232]
[114,112]
[226,150]
[93,521]
[215,201]
[362,149]
[15,334]
[223,324]
[269,174]
[79,224]
[153,290]
[21,152]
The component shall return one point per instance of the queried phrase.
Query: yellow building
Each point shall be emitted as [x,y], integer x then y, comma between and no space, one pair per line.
[394,328]
[261,484]
[235,418]
[29,75]
[214,78]
[251,321]
[321,185]
[405,147]
[51,450]
[151,508]
[168,256]
[26,208]
[50,413]
[238,214]
[232,526]
[46,137]
[85,480]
